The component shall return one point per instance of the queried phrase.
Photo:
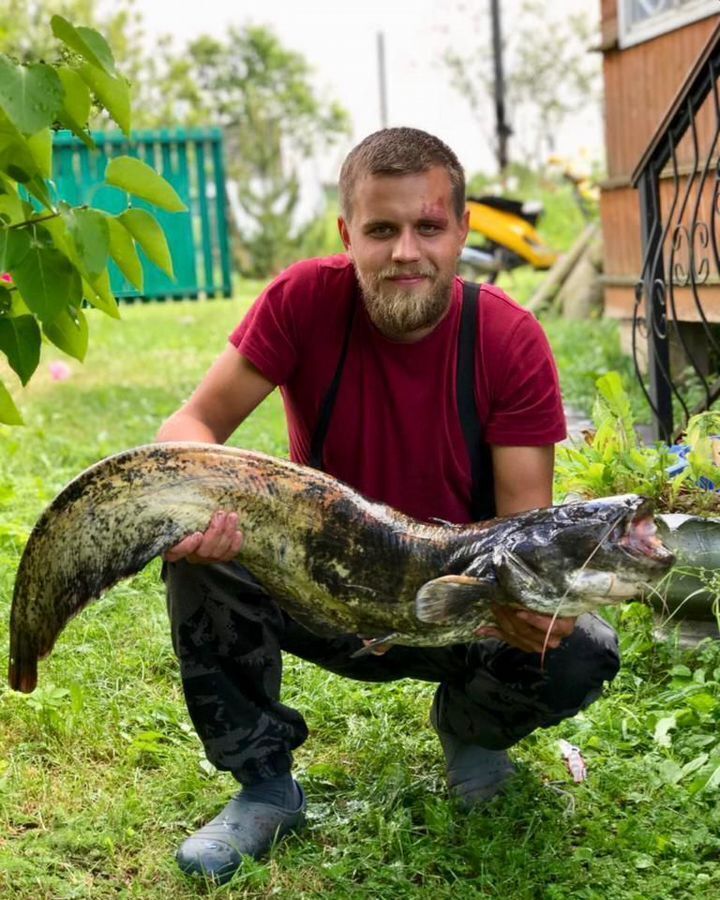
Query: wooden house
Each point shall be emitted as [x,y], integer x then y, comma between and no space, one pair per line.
[650,49]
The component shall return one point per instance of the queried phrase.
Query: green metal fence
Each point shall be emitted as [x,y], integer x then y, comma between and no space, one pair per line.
[192,161]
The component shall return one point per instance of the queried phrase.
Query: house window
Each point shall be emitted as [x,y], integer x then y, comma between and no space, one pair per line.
[641,20]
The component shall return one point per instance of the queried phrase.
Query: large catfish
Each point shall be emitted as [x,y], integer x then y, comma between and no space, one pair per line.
[335,561]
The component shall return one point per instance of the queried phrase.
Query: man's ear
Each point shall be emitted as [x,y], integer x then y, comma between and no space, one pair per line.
[344,232]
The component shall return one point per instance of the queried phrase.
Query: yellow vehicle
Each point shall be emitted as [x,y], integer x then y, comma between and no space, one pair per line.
[503,236]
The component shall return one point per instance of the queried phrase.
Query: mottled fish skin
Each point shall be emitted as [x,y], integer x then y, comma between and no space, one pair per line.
[335,561]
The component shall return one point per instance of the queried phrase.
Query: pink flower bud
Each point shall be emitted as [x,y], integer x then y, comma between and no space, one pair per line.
[59,371]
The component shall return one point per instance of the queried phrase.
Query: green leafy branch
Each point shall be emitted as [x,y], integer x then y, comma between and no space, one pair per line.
[612,460]
[55,256]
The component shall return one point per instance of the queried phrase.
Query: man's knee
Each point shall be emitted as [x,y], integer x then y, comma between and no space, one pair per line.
[585,662]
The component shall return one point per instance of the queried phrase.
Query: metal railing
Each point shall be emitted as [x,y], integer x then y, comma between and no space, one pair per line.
[680,213]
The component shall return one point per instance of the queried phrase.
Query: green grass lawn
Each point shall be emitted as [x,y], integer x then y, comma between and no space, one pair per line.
[101,774]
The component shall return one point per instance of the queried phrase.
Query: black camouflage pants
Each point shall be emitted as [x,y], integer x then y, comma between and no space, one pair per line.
[228,635]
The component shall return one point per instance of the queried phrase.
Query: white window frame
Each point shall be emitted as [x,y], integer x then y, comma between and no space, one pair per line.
[662,23]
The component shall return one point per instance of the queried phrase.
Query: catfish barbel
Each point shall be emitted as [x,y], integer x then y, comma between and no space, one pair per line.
[336,562]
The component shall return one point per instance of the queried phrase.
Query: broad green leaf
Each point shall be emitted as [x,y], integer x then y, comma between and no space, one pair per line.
[707,780]
[112,92]
[123,251]
[99,293]
[681,671]
[41,146]
[75,111]
[693,765]
[703,703]
[148,233]
[30,96]
[6,304]
[11,209]
[9,413]
[69,332]
[37,187]
[47,281]
[90,44]
[90,234]
[140,179]
[20,342]
[14,247]
[96,291]
[16,158]
[18,307]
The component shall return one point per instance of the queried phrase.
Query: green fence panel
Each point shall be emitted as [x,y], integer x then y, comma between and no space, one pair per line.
[192,161]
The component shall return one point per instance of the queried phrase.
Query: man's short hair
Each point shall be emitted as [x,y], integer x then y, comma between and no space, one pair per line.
[400,151]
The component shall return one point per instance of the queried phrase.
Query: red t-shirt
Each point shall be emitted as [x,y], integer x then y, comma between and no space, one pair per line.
[395,433]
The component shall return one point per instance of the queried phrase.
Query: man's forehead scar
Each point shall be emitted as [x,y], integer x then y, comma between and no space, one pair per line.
[434,210]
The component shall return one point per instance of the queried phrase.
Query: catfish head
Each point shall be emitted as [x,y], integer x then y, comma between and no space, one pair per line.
[564,560]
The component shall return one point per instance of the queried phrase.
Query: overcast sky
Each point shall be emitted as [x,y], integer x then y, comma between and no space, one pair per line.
[339,40]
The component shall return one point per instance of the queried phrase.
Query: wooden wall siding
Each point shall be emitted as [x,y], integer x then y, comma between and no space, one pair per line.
[640,84]
[608,22]
[620,302]
[620,212]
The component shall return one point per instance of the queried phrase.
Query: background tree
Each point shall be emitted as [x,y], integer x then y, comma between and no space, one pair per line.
[261,93]
[550,74]
[257,90]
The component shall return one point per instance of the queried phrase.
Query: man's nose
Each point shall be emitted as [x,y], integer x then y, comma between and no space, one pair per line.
[406,247]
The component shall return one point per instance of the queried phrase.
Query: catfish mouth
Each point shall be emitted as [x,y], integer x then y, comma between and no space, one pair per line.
[637,537]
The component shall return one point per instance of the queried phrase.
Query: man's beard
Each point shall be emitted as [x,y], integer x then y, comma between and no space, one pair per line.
[396,311]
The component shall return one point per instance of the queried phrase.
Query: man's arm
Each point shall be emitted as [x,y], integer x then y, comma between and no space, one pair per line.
[523,480]
[226,396]
[230,391]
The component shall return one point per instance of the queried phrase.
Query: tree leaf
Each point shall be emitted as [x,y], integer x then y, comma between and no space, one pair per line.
[11,208]
[75,111]
[41,147]
[37,187]
[96,291]
[124,252]
[14,247]
[9,413]
[148,233]
[69,332]
[89,231]
[140,179]
[48,282]
[20,341]
[30,96]
[90,44]
[15,155]
[99,293]
[113,93]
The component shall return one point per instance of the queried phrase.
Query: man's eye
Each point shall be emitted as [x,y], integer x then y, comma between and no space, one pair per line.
[429,228]
[381,231]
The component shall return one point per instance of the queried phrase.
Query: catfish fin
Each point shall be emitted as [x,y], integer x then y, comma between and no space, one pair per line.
[375,644]
[450,597]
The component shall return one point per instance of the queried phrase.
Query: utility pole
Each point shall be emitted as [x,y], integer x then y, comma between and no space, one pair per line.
[382,79]
[502,129]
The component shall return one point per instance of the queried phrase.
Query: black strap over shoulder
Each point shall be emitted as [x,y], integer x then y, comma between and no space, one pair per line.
[482,500]
[328,404]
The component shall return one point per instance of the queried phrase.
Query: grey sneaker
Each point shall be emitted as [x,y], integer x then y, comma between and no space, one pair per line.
[474,773]
[243,828]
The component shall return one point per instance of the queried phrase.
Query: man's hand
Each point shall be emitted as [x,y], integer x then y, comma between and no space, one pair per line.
[527,630]
[220,542]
